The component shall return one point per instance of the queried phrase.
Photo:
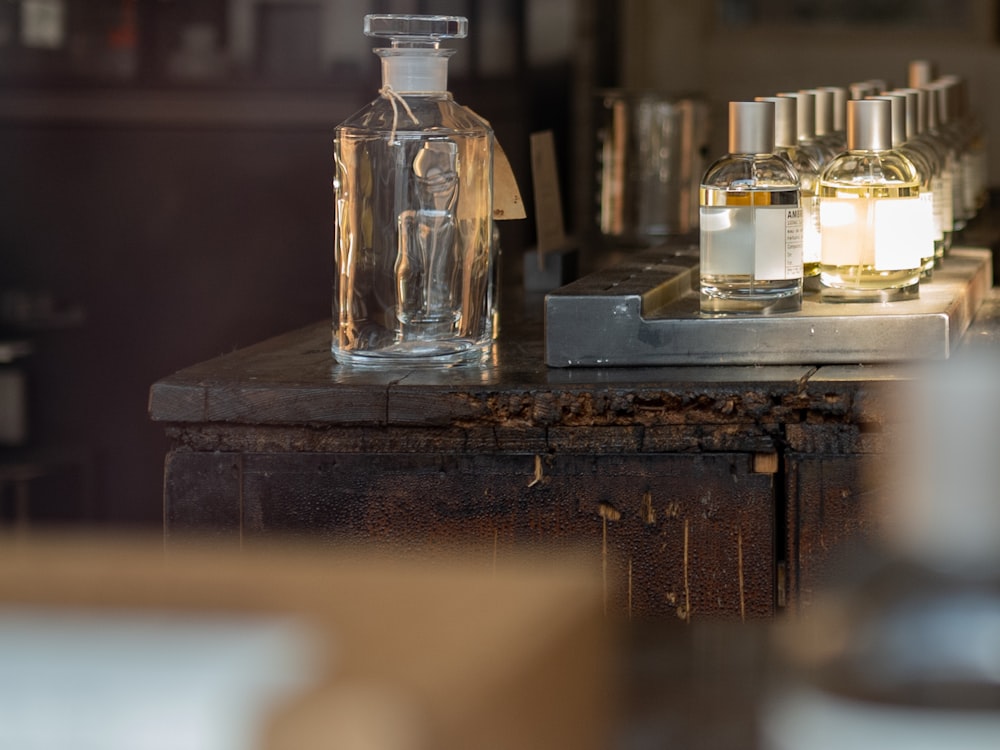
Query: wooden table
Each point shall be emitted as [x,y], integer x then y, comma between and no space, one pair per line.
[724,491]
[698,490]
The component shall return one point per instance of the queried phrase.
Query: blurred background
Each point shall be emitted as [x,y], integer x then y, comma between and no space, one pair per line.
[166,166]
[167,198]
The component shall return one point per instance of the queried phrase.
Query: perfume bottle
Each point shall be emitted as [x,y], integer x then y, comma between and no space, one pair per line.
[871,216]
[923,138]
[925,170]
[915,113]
[414,245]
[805,125]
[971,137]
[806,159]
[839,134]
[825,102]
[751,221]
[950,134]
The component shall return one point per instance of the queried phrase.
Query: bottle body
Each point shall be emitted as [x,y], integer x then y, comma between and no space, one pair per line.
[751,236]
[944,198]
[807,164]
[873,227]
[929,187]
[414,251]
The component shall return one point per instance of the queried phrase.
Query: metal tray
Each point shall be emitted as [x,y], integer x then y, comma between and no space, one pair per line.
[645,311]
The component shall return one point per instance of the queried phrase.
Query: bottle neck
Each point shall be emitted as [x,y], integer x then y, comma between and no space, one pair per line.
[412,71]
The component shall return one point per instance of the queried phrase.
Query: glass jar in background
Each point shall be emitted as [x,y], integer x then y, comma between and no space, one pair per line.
[651,151]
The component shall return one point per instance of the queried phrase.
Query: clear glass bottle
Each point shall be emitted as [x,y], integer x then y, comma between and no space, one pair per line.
[751,221]
[806,159]
[870,213]
[971,136]
[947,131]
[925,170]
[839,116]
[414,242]
[805,125]
[825,102]
[916,123]
[924,138]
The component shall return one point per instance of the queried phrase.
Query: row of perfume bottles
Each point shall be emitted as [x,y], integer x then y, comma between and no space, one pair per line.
[863,194]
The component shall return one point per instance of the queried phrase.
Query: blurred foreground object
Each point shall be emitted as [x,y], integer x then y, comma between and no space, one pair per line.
[906,654]
[121,644]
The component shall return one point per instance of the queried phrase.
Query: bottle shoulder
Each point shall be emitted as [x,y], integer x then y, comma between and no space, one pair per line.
[415,114]
[751,172]
[871,167]
[806,164]
[924,162]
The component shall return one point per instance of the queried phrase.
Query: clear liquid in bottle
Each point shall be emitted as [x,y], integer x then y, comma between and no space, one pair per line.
[874,227]
[750,221]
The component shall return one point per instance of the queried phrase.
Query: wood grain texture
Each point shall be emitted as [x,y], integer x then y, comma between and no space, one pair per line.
[628,514]
[655,472]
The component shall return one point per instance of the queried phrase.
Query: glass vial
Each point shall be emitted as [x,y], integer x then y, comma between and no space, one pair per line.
[949,134]
[915,114]
[918,136]
[751,221]
[805,124]
[807,160]
[825,101]
[925,171]
[871,216]
[840,95]
[414,250]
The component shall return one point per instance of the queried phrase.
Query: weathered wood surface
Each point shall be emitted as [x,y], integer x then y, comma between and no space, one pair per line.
[292,383]
[674,535]
[768,469]
[278,439]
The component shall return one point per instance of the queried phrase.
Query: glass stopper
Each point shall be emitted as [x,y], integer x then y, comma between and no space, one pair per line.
[410,29]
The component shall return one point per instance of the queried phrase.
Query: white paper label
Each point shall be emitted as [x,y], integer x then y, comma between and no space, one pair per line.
[765,242]
[901,234]
[887,234]
[810,230]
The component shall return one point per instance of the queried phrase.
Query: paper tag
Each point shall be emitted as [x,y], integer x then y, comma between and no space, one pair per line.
[548,201]
[507,203]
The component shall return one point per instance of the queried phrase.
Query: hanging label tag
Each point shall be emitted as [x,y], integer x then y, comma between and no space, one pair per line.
[548,202]
[507,203]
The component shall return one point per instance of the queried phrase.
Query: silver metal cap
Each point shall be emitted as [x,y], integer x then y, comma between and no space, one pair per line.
[751,127]
[861,89]
[920,73]
[839,107]
[897,103]
[933,111]
[824,111]
[805,113]
[784,119]
[869,125]
[915,123]
[941,92]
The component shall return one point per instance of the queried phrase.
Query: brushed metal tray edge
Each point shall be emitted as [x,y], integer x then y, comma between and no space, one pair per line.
[644,312]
